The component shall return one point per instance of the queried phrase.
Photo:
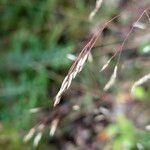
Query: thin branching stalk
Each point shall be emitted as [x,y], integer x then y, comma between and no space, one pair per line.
[79,63]
[147,15]
[130,31]
[119,52]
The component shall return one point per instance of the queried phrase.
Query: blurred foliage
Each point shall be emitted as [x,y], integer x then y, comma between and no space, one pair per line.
[124,134]
[36,37]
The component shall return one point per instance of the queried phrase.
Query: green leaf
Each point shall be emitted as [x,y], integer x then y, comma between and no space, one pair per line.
[139,93]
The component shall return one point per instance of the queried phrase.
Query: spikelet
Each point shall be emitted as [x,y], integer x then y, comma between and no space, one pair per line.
[35,110]
[90,57]
[29,135]
[37,139]
[147,127]
[54,125]
[74,70]
[112,79]
[139,25]
[97,7]
[140,82]
[71,57]
[106,64]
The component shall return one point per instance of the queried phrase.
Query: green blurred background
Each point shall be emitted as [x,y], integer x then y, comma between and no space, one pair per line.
[35,38]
